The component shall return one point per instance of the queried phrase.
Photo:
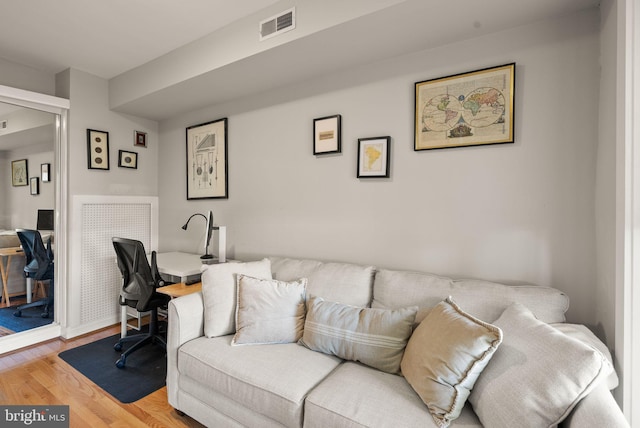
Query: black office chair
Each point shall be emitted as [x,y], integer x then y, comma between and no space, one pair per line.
[139,283]
[38,267]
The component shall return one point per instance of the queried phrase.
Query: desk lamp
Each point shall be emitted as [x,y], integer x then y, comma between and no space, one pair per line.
[208,232]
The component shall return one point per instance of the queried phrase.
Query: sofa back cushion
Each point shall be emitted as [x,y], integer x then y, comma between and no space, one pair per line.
[345,283]
[482,299]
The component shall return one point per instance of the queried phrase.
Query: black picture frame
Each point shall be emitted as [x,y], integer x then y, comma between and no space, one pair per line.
[327,138]
[475,108]
[207,160]
[45,172]
[374,157]
[97,149]
[127,159]
[34,185]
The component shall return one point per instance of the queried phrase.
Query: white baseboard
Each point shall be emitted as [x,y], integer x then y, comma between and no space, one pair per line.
[71,332]
[29,337]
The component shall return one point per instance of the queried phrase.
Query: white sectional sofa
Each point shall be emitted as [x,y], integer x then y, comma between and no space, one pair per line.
[228,367]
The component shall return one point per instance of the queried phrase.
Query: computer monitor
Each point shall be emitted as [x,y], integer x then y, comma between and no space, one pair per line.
[45,220]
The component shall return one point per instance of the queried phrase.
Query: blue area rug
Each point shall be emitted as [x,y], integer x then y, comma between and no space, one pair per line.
[145,372]
[30,319]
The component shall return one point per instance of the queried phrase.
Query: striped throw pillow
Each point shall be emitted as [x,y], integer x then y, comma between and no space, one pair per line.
[375,337]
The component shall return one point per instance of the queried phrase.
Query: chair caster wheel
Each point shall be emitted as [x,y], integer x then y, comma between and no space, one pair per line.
[120,363]
[117,347]
[17,314]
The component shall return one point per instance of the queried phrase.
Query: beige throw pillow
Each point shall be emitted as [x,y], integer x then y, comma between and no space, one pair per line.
[269,311]
[375,337]
[219,293]
[444,357]
[537,376]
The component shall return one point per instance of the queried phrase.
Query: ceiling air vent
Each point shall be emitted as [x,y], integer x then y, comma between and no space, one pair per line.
[281,23]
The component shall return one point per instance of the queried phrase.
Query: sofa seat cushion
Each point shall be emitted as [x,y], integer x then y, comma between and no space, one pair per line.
[358,396]
[272,380]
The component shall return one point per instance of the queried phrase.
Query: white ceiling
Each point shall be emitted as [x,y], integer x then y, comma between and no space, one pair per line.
[108,37]
[104,38]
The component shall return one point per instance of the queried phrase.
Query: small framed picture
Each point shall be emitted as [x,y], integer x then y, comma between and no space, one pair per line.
[19,173]
[326,135]
[35,186]
[139,139]
[373,157]
[97,149]
[127,159]
[45,172]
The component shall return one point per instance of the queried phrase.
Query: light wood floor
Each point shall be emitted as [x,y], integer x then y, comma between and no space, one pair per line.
[37,376]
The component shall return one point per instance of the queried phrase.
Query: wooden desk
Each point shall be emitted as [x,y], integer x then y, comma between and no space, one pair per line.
[180,289]
[5,264]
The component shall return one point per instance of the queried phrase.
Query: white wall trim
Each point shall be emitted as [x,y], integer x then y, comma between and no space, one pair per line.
[628,296]
[74,325]
[33,100]
[59,106]
[30,337]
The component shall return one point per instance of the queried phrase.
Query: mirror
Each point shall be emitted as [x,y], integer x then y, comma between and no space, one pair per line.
[27,160]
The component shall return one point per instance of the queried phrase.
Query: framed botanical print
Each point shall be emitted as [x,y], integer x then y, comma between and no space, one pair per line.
[207,172]
[19,173]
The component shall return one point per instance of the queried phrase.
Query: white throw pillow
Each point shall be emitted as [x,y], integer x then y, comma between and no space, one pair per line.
[375,337]
[219,293]
[444,357]
[269,311]
[537,376]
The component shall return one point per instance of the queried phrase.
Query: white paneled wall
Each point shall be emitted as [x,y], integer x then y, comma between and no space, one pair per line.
[94,290]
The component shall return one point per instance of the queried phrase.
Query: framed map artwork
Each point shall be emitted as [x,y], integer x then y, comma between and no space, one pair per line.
[468,109]
[207,160]
[373,157]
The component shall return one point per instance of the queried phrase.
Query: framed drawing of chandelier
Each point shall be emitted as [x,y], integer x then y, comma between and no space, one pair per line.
[207,160]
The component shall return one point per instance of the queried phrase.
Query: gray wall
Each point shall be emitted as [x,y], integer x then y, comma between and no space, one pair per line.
[22,77]
[522,212]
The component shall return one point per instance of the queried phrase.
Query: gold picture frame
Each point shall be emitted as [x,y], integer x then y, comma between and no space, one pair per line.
[468,109]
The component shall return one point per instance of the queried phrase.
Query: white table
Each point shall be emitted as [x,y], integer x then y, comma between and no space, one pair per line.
[182,265]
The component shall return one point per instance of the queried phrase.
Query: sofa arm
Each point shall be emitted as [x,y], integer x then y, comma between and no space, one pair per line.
[186,322]
[596,410]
